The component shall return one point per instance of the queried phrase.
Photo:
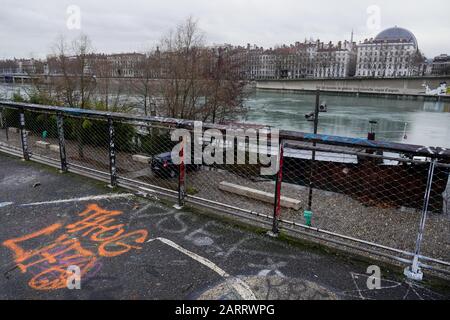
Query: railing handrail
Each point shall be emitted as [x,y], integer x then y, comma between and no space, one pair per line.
[419,150]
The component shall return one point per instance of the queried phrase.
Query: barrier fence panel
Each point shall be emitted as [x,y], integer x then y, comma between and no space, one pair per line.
[226,170]
[372,196]
[87,143]
[10,128]
[42,134]
[143,154]
[436,236]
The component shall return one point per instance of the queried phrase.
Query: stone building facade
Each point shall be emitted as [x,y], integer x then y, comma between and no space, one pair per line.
[392,53]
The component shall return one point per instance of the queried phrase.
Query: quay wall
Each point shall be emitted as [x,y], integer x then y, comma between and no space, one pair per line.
[394,86]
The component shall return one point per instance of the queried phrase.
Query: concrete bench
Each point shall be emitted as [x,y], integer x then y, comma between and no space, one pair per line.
[142,159]
[13,130]
[54,147]
[259,195]
[42,144]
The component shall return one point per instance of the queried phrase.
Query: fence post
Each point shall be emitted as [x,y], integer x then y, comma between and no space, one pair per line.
[24,136]
[112,154]
[307,214]
[62,141]
[181,177]
[277,201]
[3,124]
[414,272]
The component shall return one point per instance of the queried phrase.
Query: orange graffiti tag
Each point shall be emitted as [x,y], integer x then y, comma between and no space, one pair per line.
[96,224]
[49,263]
[56,277]
[20,254]
[136,237]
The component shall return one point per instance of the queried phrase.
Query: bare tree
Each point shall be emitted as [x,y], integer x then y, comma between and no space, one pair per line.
[145,85]
[106,89]
[198,83]
[42,90]
[73,65]
[224,91]
[75,82]
[413,62]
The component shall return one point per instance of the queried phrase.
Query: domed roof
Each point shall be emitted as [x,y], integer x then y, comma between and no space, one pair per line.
[396,34]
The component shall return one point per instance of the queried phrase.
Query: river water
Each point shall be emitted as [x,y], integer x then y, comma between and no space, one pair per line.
[427,122]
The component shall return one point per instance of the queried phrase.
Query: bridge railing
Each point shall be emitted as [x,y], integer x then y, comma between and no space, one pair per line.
[376,198]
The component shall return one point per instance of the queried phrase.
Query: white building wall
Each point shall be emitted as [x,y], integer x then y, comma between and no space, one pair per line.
[385,59]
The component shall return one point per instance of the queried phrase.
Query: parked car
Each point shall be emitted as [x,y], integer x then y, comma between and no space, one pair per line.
[162,166]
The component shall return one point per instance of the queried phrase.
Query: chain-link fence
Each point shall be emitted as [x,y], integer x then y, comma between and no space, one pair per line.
[390,200]
[143,154]
[436,234]
[87,143]
[10,128]
[374,196]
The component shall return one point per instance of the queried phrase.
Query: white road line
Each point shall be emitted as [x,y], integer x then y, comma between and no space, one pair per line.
[240,286]
[5,204]
[90,198]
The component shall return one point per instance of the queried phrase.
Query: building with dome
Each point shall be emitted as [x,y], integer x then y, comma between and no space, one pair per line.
[394,52]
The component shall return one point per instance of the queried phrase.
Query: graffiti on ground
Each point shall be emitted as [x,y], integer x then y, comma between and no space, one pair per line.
[48,264]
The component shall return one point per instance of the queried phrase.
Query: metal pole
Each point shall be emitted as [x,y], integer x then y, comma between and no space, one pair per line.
[62,142]
[277,201]
[414,272]
[181,177]
[23,135]
[4,124]
[308,212]
[112,154]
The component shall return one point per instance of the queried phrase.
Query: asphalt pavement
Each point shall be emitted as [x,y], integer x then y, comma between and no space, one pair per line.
[127,247]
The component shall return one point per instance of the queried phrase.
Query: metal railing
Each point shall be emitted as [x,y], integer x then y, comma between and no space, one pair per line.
[385,199]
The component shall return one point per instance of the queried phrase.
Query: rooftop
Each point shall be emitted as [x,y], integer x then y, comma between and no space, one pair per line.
[396,34]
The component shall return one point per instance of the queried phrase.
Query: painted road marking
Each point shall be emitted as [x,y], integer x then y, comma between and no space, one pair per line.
[90,198]
[5,204]
[240,286]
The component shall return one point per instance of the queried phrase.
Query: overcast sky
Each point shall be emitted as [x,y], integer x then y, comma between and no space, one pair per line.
[28,28]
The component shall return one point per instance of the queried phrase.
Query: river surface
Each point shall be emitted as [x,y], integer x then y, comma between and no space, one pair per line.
[427,122]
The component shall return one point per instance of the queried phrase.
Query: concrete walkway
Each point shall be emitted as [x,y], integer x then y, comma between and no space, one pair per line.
[130,248]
